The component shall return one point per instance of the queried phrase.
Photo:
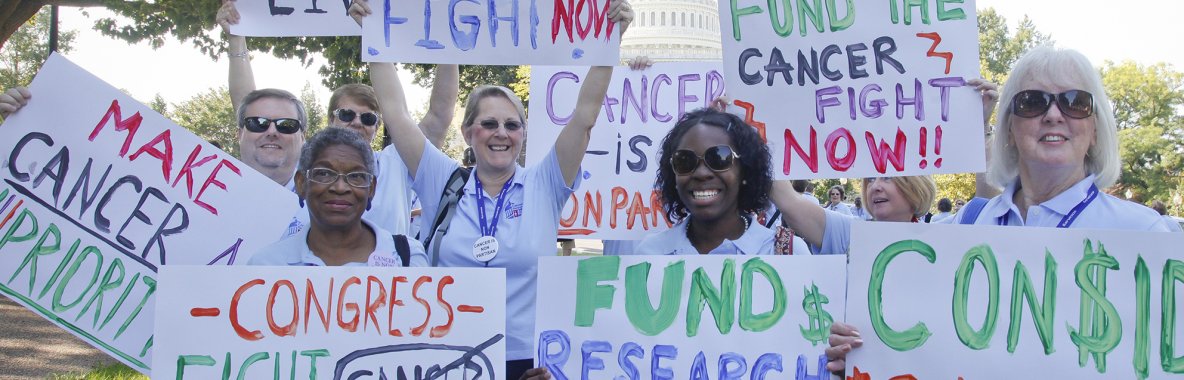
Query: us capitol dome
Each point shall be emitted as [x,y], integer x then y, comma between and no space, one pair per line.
[674,30]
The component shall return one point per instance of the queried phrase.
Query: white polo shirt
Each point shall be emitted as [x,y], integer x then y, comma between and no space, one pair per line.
[1104,212]
[293,250]
[757,240]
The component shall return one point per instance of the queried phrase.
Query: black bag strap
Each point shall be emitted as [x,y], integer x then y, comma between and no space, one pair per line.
[453,190]
[971,210]
[773,220]
[403,249]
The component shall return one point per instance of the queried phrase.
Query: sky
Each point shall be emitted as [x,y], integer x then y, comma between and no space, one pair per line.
[1102,30]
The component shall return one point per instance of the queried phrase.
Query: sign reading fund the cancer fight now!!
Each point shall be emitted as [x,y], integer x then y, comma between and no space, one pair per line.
[330,323]
[294,18]
[687,317]
[989,302]
[858,88]
[97,192]
[491,32]
[617,199]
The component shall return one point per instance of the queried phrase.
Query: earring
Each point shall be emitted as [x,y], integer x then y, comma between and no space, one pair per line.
[369,203]
[301,200]
[744,182]
[470,157]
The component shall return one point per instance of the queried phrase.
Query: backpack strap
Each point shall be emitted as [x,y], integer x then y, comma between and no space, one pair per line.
[403,249]
[971,210]
[773,219]
[453,190]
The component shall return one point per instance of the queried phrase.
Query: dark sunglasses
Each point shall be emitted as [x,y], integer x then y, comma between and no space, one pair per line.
[1076,104]
[346,115]
[718,158]
[326,176]
[258,124]
[510,125]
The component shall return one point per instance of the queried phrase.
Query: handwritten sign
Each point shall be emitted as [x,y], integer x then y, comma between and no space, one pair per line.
[294,18]
[98,191]
[1007,302]
[662,317]
[617,199]
[491,32]
[330,323]
[861,88]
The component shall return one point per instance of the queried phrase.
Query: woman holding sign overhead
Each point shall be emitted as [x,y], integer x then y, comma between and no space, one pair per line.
[507,215]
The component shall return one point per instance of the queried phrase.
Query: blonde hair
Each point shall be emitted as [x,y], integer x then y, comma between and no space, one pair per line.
[919,191]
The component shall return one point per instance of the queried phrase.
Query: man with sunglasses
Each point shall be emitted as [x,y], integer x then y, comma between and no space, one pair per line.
[271,133]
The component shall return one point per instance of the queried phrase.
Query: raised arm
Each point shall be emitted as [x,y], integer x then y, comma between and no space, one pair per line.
[802,215]
[12,100]
[241,78]
[990,94]
[442,105]
[395,115]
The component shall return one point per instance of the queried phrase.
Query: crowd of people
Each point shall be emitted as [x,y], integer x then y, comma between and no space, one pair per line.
[1054,149]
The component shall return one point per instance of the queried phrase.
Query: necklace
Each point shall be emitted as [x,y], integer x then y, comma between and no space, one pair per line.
[747,223]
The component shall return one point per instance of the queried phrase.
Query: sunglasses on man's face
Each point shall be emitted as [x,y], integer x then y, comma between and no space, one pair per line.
[346,115]
[718,158]
[510,125]
[1076,104]
[258,124]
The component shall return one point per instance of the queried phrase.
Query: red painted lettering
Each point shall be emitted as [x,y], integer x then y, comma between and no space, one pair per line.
[372,304]
[810,159]
[418,330]
[620,199]
[187,169]
[213,179]
[238,328]
[596,209]
[832,143]
[310,297]
[290,328]
[165,157]
[390,311]
[352,325]
[130,125]
[882,153]
[443,329]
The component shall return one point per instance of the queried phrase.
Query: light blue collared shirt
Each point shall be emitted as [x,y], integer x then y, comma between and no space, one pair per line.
[525,232]
[1105,212]
[293,250]
[757,240]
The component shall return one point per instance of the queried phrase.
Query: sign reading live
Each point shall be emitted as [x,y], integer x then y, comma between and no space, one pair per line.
[98,191]
[991,302]
[330,323]
[494,32]
[858,88]
[617,199]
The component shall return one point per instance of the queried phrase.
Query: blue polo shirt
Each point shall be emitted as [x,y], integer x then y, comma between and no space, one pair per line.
[1104,212]
[836,235]
[757,240]
[293,250]
[525,231]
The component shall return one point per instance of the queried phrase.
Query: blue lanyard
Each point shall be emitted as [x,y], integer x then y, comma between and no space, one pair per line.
[1073,213]
[489,228]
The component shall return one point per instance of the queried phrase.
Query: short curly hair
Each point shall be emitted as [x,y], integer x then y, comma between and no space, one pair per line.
[754,161]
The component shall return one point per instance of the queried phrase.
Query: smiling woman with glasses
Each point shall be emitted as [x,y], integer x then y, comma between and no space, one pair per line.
[715,175]
[335,181]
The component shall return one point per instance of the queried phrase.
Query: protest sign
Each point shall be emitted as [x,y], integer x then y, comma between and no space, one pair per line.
[294,18]
[692,317]
[990,302]
[491,32]
[861,88]
[98,191]
[617,199]
[330,323]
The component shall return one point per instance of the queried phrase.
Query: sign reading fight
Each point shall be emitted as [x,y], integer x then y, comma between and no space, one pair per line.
[97,191]
[330,323]
[294,18]
[693,317]
[1007,302]
[858,88]
[617,199]
[491,32]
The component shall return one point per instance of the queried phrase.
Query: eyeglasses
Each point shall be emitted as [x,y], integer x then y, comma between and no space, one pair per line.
[326,176]
[346,115]
[1076,104]
[718,158]
[510,125]
[259,124]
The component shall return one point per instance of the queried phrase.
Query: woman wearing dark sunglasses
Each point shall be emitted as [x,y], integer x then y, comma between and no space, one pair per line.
[715,174]
[335,179]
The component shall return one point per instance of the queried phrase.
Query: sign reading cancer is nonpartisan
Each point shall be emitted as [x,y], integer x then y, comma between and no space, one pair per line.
[687,317]
[98,191]
[294,18]
[858,88]
[989,302]
[616,199]
[493,32]
[330,323]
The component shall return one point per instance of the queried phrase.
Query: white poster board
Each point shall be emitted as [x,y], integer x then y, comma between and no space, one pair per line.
[989,302]
[861,88]
[330,323]
[294,18]
[98,191]
[617,199]
[495,32]
[689,317]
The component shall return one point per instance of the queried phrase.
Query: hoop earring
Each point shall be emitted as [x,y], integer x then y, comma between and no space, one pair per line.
[470,157]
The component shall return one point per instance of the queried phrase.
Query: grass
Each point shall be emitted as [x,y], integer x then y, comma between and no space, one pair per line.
[110,372]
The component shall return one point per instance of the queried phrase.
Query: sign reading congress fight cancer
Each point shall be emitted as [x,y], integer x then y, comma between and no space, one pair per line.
[98,191]
[294,18]
[858,88]
[491,32]
[688,317]
[330,323]
[617,199]
[989,302]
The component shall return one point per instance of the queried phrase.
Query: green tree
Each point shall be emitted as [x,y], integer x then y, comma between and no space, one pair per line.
[999,48]
[470,76]
[1143,95]
[953,186]
[28,48]
[1148,100]
[209,115]
[159,105]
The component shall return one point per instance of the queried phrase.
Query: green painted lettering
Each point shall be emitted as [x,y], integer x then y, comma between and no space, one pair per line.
[1042,316]
[151,282]
[638,307]
[39,249]
[944,14]
[722,300]
[908,11]
[258,356]
[105,285]
[980,339]
[783,24]
[1173,273]
[589,294]
[188,360]
[813,12]
[61,267]
[1142,318]
[763,321]
[58,306]
[914,336]
[737,13]
[837,24]
[1101,326]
